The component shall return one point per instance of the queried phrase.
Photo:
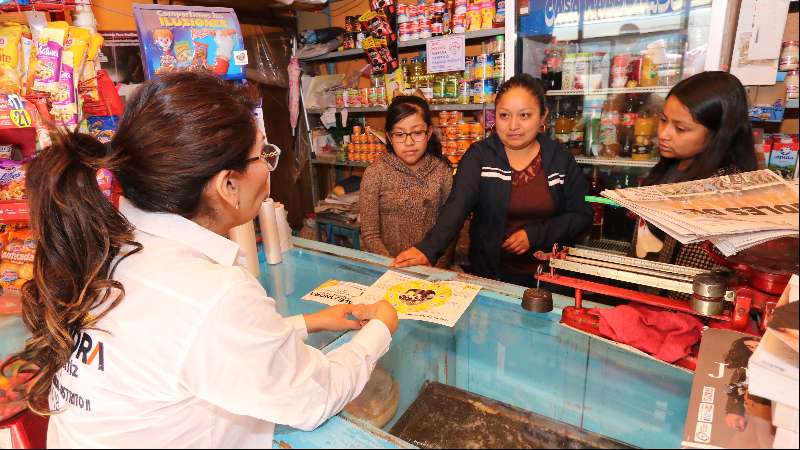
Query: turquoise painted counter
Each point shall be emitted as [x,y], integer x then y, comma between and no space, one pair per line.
[500,351]
[497,350]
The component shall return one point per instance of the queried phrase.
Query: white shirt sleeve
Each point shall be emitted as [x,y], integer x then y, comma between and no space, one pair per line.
[249,360]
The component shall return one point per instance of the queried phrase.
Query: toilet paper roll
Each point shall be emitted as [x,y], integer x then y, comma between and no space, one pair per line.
[269,232]
[283,226]
[245,236]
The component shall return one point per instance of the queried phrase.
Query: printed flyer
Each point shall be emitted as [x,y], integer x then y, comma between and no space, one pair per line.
[441,302]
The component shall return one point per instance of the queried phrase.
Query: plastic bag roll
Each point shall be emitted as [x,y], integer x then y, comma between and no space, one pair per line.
[245,236]
[269,232]
[283,226]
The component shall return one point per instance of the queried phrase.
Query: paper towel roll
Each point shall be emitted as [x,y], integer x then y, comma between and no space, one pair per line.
[283,226]
[245,236]
[269,232]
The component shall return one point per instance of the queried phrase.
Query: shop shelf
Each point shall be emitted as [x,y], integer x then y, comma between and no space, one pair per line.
[332,162]
[14,211]
[480,34]
[461,107]
[338,54]
[611,91]
[39,6]
[616,162]
[377,109]
[362,109]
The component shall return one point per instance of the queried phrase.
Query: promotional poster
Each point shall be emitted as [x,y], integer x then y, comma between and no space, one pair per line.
[179,38]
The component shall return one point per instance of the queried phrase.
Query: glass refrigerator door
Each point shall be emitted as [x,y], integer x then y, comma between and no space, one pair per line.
[607,66]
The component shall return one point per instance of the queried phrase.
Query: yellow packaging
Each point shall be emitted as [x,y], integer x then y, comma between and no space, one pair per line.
[89,67]
[78,42]
[10,50]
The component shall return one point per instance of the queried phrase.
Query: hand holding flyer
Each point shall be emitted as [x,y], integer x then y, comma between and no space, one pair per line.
[442,302]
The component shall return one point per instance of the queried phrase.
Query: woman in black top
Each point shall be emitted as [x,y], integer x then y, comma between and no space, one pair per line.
[526,193]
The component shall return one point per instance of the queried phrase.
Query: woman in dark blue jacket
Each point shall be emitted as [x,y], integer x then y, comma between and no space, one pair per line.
[526,191]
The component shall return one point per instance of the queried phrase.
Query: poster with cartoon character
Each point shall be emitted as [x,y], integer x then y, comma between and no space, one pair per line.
[179,38]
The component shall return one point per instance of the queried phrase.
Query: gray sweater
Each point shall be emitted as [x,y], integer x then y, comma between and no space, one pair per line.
[398,204]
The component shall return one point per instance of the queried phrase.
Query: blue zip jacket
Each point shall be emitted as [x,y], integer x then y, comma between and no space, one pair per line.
[482,185]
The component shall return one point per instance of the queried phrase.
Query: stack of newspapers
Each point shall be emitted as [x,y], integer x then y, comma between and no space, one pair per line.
[734,212]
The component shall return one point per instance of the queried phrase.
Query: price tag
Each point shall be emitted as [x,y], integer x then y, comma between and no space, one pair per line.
[446,54]
[17,113]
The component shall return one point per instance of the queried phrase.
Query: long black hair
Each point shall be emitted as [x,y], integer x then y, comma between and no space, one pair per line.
[407,105]
[718,101]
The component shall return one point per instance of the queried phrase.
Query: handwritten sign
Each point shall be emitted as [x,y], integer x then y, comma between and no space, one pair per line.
[446,54]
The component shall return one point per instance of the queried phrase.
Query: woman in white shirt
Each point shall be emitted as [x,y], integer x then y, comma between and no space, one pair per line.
[147,330]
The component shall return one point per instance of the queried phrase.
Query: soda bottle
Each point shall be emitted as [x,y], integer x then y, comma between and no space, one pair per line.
[627,122]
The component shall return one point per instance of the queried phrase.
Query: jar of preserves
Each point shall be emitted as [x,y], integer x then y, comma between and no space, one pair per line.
[789,56]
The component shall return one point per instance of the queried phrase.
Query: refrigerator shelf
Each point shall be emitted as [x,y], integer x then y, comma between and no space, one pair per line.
[611,91]
[617,162]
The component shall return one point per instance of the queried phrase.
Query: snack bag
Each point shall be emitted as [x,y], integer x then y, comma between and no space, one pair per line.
[103,127]
[78,42]
[37,25]
[48,54]
[89,76]
[12,180]
[10,50]
[17,256]
[25,57]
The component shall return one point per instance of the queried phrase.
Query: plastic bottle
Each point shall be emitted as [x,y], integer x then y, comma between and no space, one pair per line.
[627,122]
[596,186]
[609,131]
[577,134]
[592,121]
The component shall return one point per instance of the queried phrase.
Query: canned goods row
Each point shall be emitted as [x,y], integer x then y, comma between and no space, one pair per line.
[457,146]
[363,138]
[366,148]
[486,65]
[356,98]
[363,157]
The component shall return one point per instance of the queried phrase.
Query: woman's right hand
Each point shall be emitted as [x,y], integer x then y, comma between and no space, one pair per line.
[382,310]
[411,257]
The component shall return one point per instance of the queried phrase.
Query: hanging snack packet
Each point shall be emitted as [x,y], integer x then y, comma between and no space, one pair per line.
[12,180]
[10,50]
[33,61]
[64,97]
[380,57]
[17,260]
[48,55]
[378,26]
[89,78]
[78,41]
[25,57]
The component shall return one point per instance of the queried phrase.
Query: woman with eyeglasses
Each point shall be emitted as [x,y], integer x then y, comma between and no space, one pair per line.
[147,329]
[526,193]
[401,193]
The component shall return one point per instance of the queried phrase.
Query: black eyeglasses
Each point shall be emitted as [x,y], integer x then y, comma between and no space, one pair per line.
[270,154]
[400,136]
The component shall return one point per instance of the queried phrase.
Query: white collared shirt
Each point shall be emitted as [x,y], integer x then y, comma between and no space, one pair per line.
[196,355]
